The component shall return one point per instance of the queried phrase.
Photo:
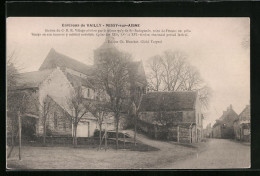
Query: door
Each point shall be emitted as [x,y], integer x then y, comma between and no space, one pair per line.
[83,130]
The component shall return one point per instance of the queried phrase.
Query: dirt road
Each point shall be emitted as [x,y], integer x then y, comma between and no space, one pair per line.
[220,153]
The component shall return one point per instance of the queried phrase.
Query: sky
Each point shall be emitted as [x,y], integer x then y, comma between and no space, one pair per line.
[213,45]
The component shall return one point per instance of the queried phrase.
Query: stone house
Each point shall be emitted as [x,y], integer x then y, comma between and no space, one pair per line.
[172,115]
[223,128]
[53,85]
[57,77]
[242,126]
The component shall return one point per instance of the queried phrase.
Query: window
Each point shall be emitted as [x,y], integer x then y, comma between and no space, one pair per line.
[84,91]
[64,125]
[55,120]
[94,94]
[88,93]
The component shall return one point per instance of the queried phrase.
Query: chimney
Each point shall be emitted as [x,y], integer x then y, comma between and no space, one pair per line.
[230,106]
[52,50]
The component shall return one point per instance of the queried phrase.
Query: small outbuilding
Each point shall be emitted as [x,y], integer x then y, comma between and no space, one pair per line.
[173,116]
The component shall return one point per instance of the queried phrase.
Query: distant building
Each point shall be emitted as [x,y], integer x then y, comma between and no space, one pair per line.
[208,131]
[57,77]
[223,128]
[171,115]
[242,126]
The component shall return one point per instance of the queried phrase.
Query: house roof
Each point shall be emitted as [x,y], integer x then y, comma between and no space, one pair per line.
[228,113]
[55,59]
[32,79]
[245,114]
[228,117]
[168,101]
[77,81]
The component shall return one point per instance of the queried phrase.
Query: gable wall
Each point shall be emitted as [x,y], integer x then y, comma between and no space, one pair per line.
[245,115]
[56,85]
[63,125]
[150,116]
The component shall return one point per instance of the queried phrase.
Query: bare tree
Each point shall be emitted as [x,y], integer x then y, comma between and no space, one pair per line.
[176,74]
[136,98]
[205,94]
[173,64]
[11,76]
[16,100]
[100,111]
[112,75]
[79,107]
[155,75]
[191,79]
[45,110]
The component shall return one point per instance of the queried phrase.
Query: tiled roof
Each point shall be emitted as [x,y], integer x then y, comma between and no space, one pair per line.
[228,117]
[32,79]
[77,81]
[245,114]
[168,101]
[55,59]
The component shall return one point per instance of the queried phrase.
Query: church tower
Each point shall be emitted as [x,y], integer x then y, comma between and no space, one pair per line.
[106,48]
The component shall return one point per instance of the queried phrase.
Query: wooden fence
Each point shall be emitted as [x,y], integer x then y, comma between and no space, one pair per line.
[178,133]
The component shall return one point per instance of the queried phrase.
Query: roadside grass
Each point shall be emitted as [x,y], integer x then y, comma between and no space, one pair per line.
[86,157]
[148,154]
[93,143]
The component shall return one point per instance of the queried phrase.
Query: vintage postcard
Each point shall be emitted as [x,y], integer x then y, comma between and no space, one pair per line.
[127,93]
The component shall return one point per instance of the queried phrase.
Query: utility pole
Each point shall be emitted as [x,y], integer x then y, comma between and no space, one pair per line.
[134,112]
[124,140]
[105,139]
[178,133]
[20,134]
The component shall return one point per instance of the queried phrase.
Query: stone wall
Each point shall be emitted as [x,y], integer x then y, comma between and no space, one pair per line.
[187,116]
[58,121]
[184,135]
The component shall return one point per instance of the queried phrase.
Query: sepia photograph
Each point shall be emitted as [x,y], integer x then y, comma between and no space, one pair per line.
[87,93]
